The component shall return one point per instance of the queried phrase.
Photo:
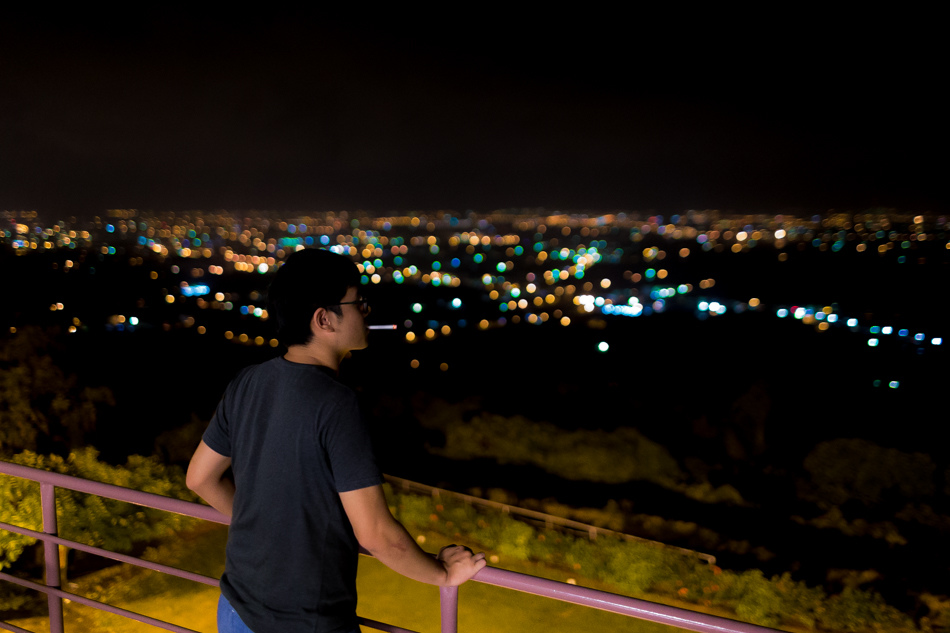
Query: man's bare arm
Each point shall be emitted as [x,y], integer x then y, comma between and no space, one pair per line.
[206,478]
[388,540]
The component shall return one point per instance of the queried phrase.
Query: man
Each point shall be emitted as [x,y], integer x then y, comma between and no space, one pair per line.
[305,485]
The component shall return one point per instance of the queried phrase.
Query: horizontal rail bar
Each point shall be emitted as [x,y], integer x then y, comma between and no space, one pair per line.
[382,626]
[632,607]
[147,499]
[591,530]
[6,626]
[122,558]
[95,604]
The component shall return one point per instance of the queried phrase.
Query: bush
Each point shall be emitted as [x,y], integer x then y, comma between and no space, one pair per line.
[106,523]
[846,469]
[855,610]
[635,568]
[614,457]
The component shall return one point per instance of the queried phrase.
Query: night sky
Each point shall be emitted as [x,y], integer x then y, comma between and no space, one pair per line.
[305,112]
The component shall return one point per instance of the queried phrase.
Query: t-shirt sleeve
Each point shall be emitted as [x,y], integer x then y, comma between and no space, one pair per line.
[349,448]
[218,434]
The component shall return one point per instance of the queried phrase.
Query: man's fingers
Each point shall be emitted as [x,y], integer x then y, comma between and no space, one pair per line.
[461,555]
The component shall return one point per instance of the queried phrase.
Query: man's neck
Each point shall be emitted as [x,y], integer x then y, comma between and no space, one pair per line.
[313,355]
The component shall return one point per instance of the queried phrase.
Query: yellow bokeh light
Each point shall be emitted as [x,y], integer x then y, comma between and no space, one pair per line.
[446,330]
[202,329]
[823,326]
[169,299]
[662,273]
[414,364]
[736,248]
[550,298]
[530,288]
[483,324]
[258,340]
[229,335]
[537,301]
[753,302]
[522,303]
[243,338]
[430,333]
[410,336]
[605,283]
[274,342]
[153,275]
[565,321]
[493,295]
[684,252]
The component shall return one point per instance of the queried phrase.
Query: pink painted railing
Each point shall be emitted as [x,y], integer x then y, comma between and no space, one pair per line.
[642,609]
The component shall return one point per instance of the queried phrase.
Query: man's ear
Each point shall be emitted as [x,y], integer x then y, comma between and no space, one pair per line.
[320,321]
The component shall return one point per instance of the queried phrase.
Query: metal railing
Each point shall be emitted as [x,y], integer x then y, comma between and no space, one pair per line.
[631,607]
[549,521]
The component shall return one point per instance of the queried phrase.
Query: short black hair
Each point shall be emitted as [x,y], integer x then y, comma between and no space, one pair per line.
[311,278]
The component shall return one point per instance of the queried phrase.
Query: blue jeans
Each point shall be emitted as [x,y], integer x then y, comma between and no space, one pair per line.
[228,619]
[230,622]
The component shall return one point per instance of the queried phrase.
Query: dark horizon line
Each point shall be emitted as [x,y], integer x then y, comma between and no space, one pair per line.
[527,210]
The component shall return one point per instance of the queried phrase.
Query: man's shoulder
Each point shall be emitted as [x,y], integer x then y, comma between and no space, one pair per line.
[279,375]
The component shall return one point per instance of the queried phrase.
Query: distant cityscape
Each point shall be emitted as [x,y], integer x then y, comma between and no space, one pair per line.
[209,270]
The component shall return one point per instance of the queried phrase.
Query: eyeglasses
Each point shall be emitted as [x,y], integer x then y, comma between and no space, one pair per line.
[362,304]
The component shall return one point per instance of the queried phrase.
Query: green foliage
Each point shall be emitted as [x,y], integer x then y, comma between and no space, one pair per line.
[846,469]
[855,610]
[515,540]
[38,399]
[113,525]
[834,518]
[635,568]
[755,599]
[609,457]
[583,455]
[176,446]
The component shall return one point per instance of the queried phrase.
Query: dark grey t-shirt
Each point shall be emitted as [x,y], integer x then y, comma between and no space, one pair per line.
[296,440]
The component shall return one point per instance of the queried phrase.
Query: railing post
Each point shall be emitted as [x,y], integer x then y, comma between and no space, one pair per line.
[51,556]
[449,600]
